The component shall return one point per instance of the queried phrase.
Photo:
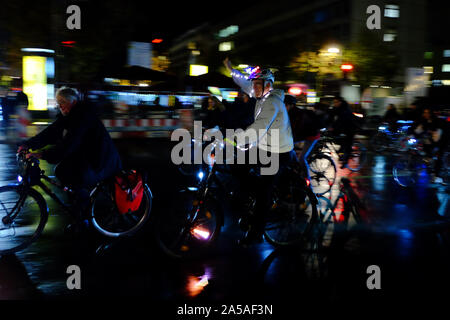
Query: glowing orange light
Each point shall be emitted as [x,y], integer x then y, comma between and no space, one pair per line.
[295,91]
[157,40]
[346,67]
[196,284]
[200,233]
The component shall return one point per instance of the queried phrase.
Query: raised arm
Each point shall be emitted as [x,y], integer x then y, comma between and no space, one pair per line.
[238,78]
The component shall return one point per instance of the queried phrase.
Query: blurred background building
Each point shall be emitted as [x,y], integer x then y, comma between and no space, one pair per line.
[323,46]
[274,33]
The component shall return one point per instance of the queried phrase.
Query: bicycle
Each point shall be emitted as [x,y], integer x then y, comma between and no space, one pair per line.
[347,205]
[412,165]
[387,140]
[344,214]
[320,169]
[24,211]
[327,145]
[194,222]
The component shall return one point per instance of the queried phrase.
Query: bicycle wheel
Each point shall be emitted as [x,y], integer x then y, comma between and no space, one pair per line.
[107,219]
[23,215]
[322,173]
[345,214]
[189,226]
[357,157]
[406,171]
[293,214]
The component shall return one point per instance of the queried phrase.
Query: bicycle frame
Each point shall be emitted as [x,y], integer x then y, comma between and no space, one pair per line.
[345,195]
[39,182]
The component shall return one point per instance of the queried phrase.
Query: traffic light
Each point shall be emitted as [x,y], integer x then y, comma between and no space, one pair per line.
[69,44]
[346,68]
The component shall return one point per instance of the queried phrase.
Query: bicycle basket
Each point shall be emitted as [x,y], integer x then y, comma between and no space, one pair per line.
[128,191]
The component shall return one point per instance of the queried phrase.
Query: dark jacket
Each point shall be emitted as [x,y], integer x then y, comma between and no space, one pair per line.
[304,123]
[343,120]
[239,115]
[79,135]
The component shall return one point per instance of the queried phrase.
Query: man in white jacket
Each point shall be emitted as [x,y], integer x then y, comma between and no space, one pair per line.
[271,133]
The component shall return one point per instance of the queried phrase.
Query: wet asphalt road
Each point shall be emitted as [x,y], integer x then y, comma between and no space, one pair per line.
[407,236]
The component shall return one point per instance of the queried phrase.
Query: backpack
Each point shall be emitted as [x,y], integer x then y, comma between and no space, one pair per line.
[128,191]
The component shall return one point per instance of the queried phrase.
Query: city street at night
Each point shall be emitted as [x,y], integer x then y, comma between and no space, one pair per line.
[407,236]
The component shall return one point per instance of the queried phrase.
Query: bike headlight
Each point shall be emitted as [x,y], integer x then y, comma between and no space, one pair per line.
[412,141]
[200,175]
[381,128]
[19,178]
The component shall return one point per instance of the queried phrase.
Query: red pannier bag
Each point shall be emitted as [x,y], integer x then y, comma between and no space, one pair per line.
[128,191]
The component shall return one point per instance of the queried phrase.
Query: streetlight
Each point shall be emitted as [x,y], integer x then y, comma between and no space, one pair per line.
[333,50]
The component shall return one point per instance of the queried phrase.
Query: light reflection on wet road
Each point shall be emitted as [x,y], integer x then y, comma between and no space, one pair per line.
[405,237]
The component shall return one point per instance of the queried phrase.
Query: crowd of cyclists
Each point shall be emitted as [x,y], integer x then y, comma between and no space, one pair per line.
[339,120]
[260,107]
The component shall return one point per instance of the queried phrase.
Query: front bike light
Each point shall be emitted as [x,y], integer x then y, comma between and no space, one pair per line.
[412,141]
[200,233]
[19,178]
[381,128]
[200,175]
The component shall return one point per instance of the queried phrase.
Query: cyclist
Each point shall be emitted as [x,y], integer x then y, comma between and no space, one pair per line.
[391,116]
[79,145]
[270,114]
[305,124]
[342,123]
[434,136]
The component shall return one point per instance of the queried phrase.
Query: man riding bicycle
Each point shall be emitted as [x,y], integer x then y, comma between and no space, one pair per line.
[79,145]
[343,123]
[432,131]
[270,116]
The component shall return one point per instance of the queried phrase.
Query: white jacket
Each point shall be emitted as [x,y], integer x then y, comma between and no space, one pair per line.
[270,115]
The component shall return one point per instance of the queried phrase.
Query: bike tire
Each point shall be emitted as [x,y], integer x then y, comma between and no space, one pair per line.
[108,221]
[174,232]
[357,158]
[292,217]
[322,173]
[29,222]
[405,172]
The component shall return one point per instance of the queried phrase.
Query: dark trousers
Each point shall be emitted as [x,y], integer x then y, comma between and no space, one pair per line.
[346,143]
[81,178]
[261,186]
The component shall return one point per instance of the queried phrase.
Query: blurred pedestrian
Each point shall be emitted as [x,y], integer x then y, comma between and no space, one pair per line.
[412,113]
[391,117]
[343,124]
[9,103]
[305,125]
[434,135]
[240,113]
[214,114]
